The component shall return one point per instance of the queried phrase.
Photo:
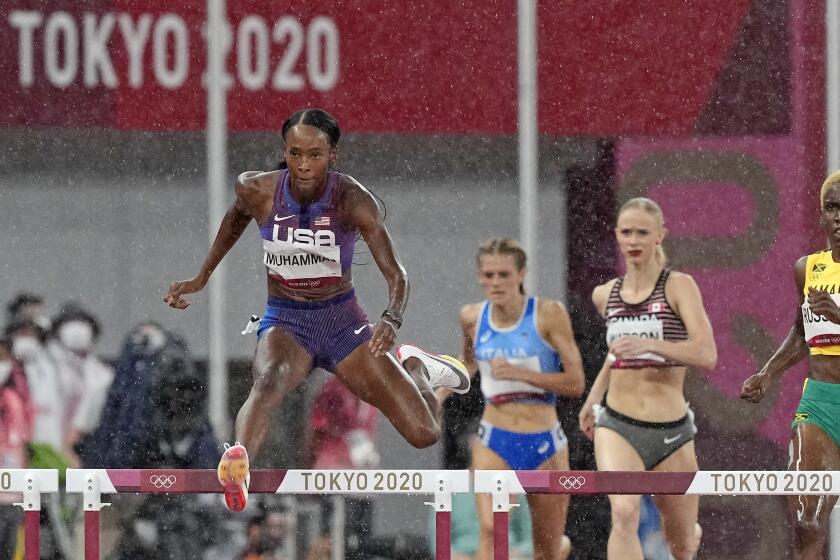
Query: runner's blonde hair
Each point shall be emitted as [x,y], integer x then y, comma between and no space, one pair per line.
[829,182]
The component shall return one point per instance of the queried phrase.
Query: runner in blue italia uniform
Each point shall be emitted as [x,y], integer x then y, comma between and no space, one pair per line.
[309,217]
[525,350]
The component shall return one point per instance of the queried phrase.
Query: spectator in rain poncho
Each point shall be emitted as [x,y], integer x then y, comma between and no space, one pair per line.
[15,433]
[154,416]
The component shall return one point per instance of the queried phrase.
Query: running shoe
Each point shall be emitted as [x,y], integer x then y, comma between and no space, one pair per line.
[443,370]
[235,476]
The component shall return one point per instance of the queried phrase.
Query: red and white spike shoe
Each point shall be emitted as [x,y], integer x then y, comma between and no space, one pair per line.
[235,476]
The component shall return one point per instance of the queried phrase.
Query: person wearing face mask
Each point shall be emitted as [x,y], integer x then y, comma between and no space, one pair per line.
[27,339]
[46,447]
[15,433]
[84,379]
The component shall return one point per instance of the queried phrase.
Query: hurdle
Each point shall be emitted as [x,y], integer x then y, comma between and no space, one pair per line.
[502,484]
[30,484]
[93,483]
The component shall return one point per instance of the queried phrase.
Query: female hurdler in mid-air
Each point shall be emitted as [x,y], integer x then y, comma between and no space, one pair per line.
[309,217]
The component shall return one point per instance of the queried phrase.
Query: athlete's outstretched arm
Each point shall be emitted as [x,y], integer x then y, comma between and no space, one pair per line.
[235,221]
[586,416]
[468,317]
[793,349]
[699,350]
[362,211]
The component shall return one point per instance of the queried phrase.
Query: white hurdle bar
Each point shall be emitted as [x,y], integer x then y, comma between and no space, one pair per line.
[501,484]
[92,483]
[30,483]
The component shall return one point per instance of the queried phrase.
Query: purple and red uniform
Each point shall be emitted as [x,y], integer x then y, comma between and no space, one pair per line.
[306,248]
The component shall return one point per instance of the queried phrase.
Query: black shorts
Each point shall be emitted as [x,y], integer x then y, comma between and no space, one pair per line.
[653,441]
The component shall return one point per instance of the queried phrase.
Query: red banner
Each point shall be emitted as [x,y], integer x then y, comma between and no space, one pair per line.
[412,67]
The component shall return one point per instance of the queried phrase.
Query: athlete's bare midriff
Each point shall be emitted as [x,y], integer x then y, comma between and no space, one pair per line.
[648,394]
[278,290]
[521,417]
[825,368]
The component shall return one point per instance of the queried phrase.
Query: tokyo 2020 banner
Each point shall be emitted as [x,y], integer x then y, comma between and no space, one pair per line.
[408,67]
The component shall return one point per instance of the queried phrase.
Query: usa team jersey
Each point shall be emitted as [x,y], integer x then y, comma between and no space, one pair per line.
[306,247]
[521,345]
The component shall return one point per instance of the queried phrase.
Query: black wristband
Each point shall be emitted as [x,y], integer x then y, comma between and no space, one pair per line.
[393,317]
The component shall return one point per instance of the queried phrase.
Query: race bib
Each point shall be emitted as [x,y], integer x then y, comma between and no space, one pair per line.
[296,261]
[491,386]
[819,331]
[647,327]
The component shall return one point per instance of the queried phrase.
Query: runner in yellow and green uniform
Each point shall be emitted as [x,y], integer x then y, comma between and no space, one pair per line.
[815,431]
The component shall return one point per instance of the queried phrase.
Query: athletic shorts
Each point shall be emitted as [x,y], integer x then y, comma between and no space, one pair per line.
[523,451]
[820,406]
[653,441]
[328,330]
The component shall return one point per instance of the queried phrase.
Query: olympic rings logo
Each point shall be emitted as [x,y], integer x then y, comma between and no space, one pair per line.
[571,482]
[163,480]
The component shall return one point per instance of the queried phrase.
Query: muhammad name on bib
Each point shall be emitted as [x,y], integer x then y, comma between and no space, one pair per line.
[304,254]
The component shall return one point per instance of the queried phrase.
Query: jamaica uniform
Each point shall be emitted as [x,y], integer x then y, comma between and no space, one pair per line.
[820,403]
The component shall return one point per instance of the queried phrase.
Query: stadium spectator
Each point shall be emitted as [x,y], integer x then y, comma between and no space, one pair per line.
[84,378]
[29,306]
[15,433]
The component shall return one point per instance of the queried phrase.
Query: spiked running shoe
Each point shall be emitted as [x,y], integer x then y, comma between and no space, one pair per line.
[444,371]
[235,476]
